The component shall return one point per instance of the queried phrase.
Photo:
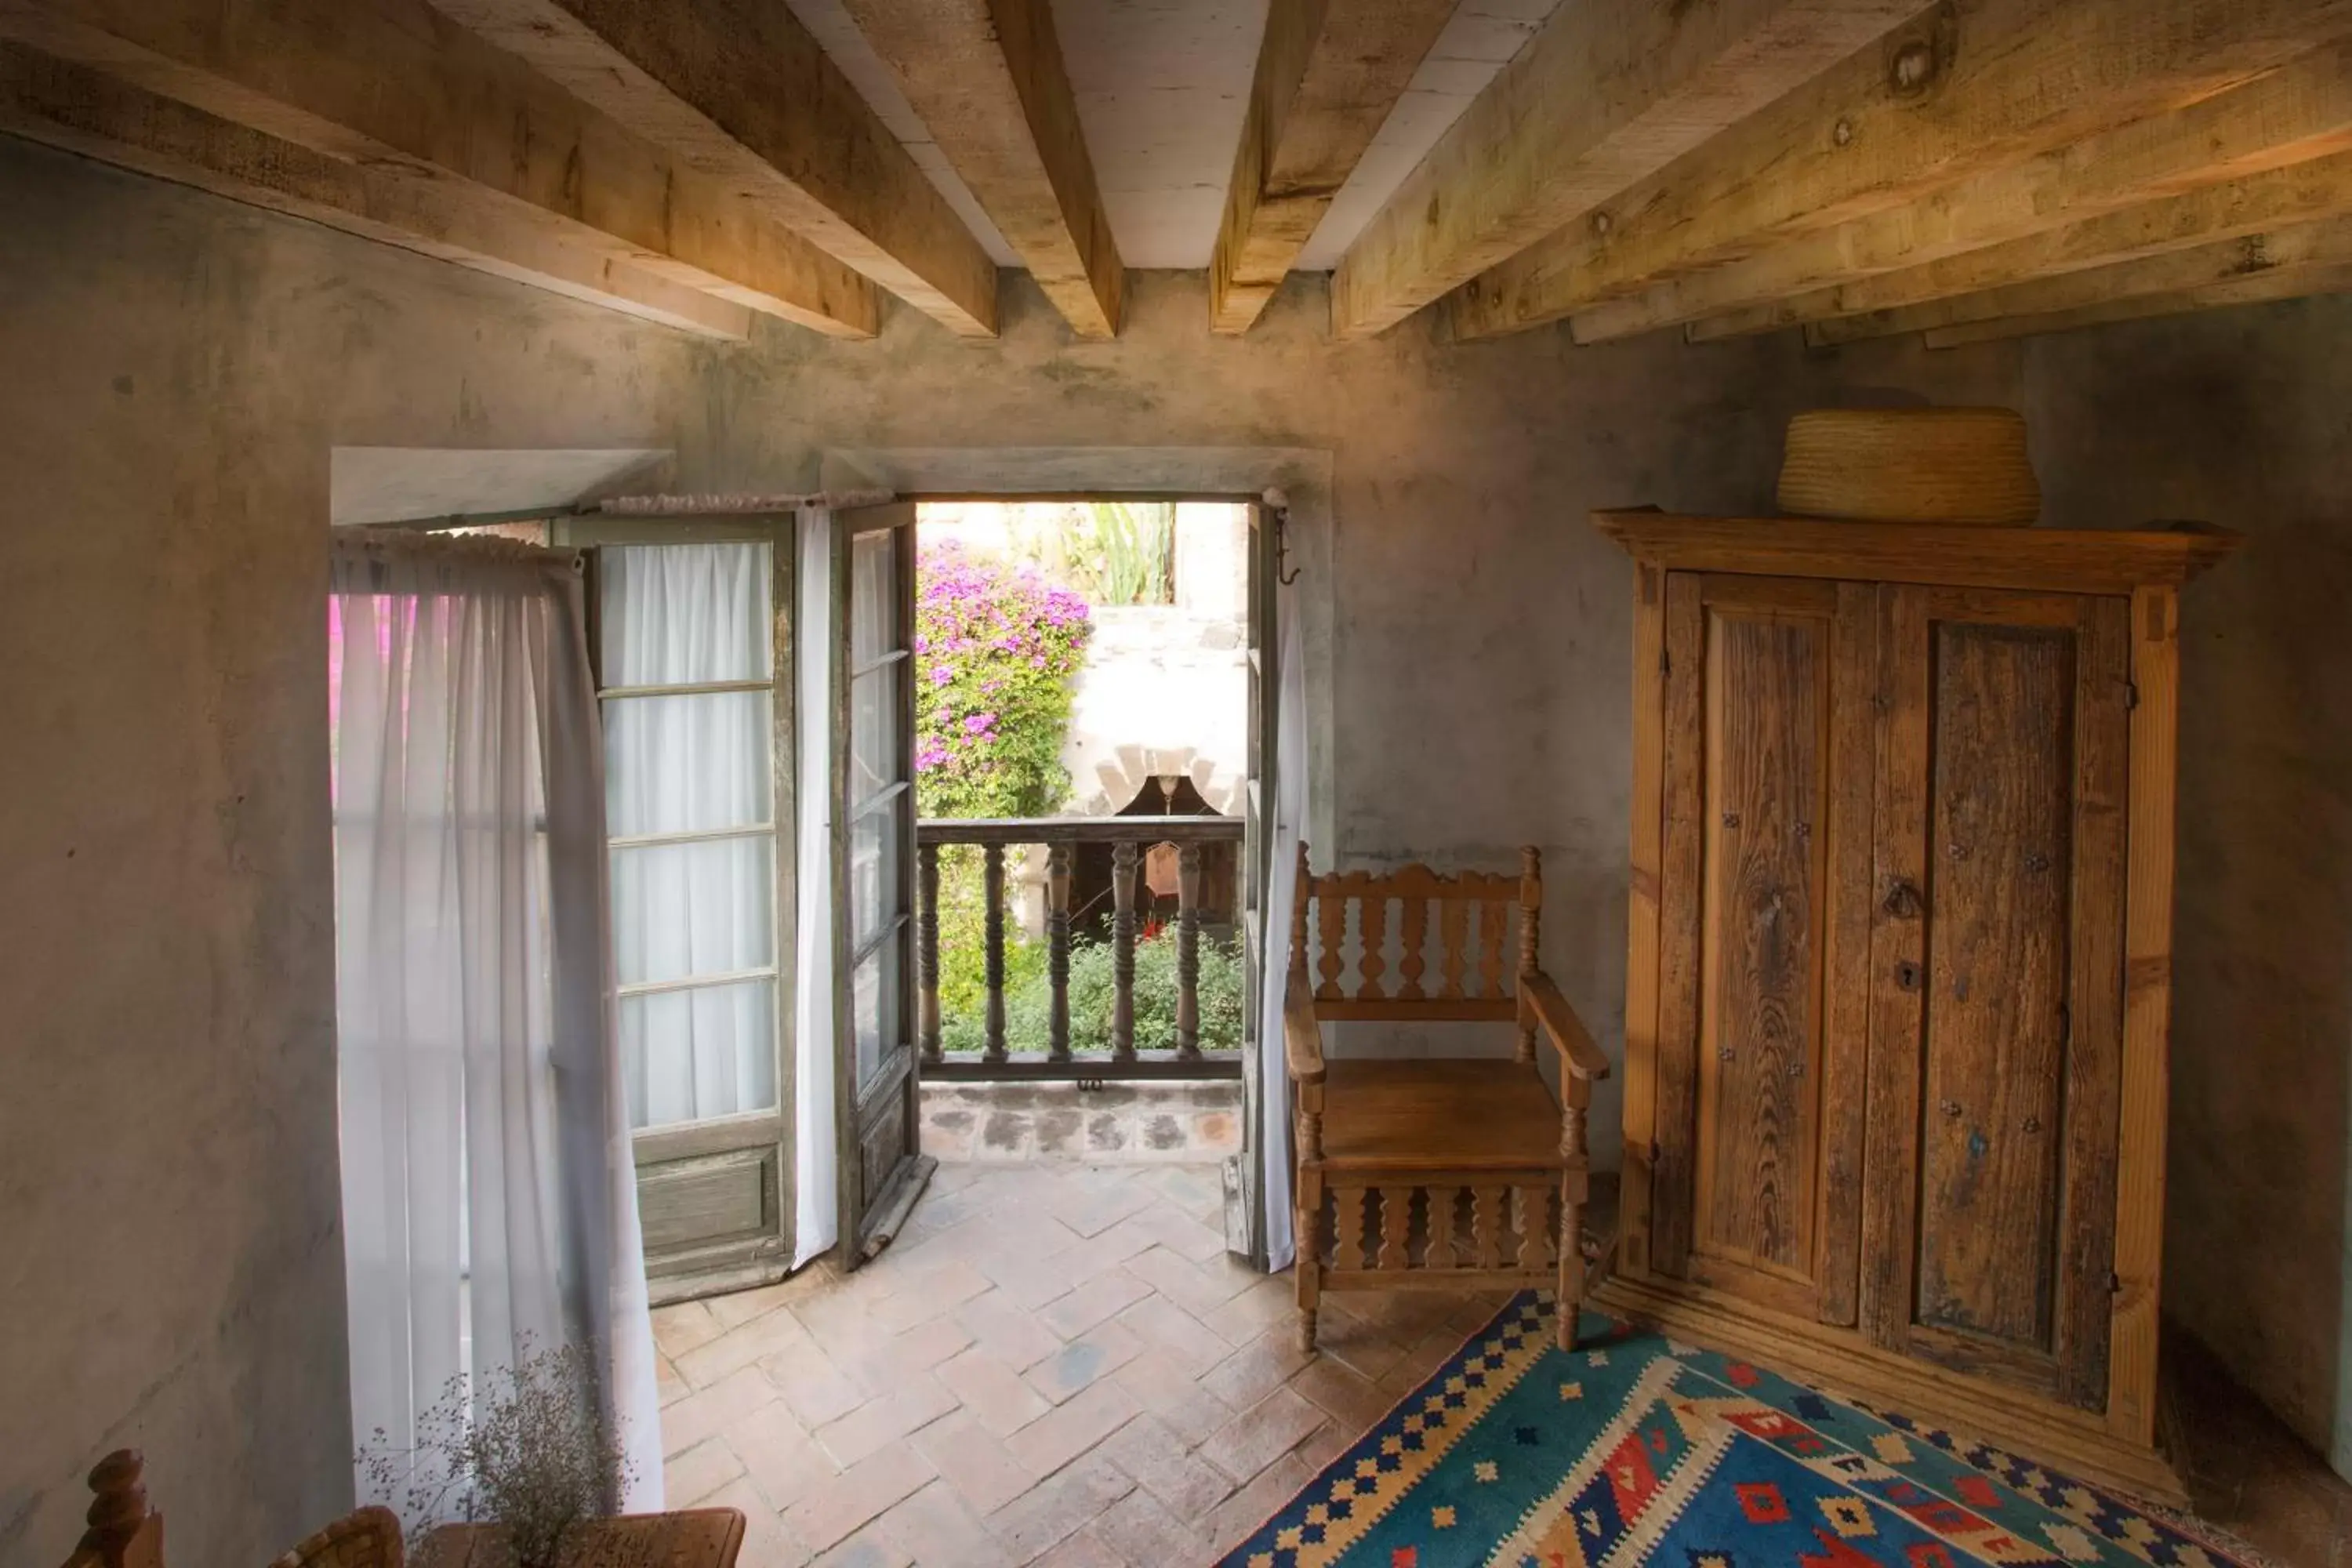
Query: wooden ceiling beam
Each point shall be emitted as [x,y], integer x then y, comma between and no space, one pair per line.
[2325,242]
[1607,94]
[2298,193]
[1328,72]
[1974,86]
[67,105]
[1997,219]
[987,79]
[2286,283]
[739,91]
[392,82]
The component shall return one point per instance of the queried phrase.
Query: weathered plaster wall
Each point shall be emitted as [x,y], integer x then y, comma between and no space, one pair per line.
[179,369]
[174,373]
[2245,417]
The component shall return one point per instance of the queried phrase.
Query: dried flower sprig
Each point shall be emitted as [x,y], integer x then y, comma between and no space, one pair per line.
[525,1448]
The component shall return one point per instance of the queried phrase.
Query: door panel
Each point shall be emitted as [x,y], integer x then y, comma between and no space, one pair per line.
[691,637]
[881,1166]
[2001,713]
[1997,1024]
[1761,828]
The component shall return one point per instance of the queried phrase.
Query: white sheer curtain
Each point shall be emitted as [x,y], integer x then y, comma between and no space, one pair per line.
[692,785]
[488,1189]
[815,1135]
[1286,822]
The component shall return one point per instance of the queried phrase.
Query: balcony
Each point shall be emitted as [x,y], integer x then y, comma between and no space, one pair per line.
[1097,899]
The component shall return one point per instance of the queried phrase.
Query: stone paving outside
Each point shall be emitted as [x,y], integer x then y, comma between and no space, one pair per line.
[1119,1122]
[1057,1362]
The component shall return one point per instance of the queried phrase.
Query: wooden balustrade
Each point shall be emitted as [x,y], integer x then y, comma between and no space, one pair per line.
[1129,839]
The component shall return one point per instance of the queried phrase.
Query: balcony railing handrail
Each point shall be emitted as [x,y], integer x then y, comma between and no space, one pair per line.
[1078,829]
[1127,837]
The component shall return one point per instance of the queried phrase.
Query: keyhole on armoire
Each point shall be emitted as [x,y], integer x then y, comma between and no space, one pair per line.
[1907,976]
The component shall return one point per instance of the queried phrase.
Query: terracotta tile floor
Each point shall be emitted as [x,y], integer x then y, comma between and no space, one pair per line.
[1054,1363]
[1057,1363]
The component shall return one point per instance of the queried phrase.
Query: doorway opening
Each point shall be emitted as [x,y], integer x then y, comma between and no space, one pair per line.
[1084,763]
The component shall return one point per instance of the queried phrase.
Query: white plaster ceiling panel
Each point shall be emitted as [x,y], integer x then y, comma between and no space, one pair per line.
[1479,41]
[831,24]
[1161,87]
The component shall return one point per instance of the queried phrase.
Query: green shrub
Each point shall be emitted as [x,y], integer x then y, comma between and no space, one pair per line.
[997,652]
[1094,994]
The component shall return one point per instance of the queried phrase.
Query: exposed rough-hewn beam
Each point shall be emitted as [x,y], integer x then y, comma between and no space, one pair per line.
[739,89]
[2299,193]
[1997,219]
[986,77]
[68,106]
[2286,283]
[1609,92]
[1328,72]
[2326,242]
[1975,85]
[394,82]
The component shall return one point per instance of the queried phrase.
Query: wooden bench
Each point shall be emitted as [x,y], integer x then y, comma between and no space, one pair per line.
[1435,1173]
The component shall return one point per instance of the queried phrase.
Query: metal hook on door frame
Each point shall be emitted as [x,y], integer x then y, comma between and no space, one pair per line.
[1284,573]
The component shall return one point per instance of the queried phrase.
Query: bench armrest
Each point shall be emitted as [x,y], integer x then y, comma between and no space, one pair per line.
[1541,1003]
[1302,1032]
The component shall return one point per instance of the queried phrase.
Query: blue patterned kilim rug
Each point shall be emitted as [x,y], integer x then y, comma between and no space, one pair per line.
[1637,1449]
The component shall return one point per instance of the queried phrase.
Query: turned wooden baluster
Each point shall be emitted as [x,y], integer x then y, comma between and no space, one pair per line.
[1372,917]
[1530,938]
[1440,1253]
[1493,917]
[993,878]
[1310,1256]
[1331,924]
[1057,951]
[1452,933]
[1487,1226]
[124,1533]
[1396,1227]
[1122,950]
[1574,1184]
[1531,1217]
[1415,927]
[1348,1235]
[1188,952]
[926,947]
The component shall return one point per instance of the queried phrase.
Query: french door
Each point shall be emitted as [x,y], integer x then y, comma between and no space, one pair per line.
[882,1167]
[691,632]
[1245,1205]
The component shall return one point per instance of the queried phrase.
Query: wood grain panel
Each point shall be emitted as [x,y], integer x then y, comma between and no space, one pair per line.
[1673,1147]
[2095,1001]
[698,1201]
[1845,963]
[1897,949]
[2147,1004]
[1767,704]
[2000,843]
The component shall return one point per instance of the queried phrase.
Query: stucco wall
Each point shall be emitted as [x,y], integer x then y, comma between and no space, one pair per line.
[179,369]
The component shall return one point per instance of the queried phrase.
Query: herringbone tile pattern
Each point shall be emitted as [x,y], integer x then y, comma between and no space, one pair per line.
[1054,1363]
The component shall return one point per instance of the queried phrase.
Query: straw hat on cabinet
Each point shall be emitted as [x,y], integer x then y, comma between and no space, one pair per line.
[1910,465]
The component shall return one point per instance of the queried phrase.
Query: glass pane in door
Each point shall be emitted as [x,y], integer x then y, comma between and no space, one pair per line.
[689,752]
[879,796]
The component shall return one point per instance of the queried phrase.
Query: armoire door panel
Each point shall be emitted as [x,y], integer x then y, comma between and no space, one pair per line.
[1996,1020]
[1753,814]
[1998,852]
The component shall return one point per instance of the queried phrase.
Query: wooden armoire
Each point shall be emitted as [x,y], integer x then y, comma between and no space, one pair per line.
[1900,964]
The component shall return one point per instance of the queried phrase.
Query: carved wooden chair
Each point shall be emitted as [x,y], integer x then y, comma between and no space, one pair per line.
[1435,1173]
[369,1538]
[123,1531]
